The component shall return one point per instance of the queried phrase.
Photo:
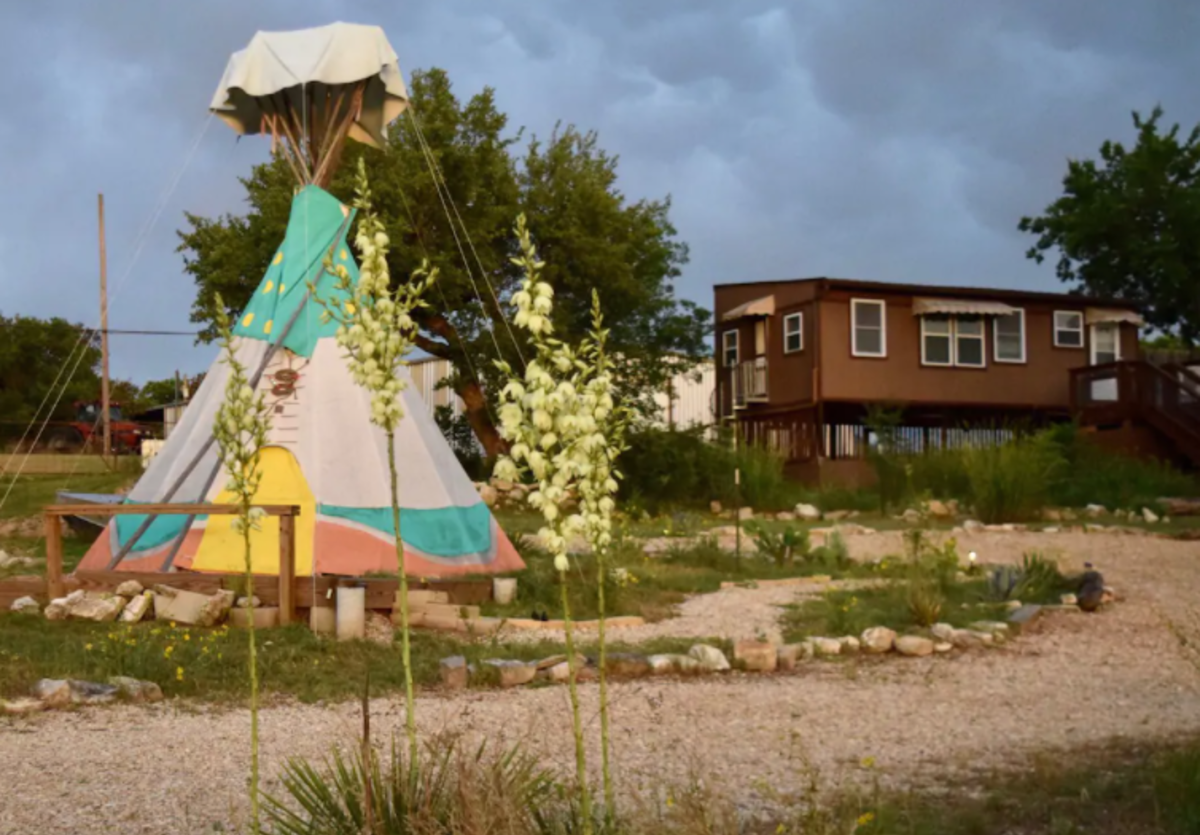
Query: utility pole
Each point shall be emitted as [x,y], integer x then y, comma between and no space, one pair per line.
[104,404]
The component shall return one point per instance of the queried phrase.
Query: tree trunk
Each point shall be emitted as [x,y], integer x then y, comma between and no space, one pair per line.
[466,386]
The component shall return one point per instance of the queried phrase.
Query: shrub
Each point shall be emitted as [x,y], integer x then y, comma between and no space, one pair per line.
[785,547]
[1012,481]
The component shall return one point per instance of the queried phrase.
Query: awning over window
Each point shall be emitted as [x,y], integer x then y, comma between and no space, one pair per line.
[1095,315]
[758,307]
[967,307]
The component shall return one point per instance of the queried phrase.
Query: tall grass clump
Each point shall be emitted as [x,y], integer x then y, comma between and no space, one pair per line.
[1012,481]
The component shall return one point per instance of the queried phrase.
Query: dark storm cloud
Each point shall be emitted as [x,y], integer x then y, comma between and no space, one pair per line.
[874,139]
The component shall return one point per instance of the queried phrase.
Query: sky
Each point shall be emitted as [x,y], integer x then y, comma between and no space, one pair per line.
[894,141]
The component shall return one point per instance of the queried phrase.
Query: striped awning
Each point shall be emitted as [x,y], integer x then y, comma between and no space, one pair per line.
[758,307]
[967,307]
[1096,315]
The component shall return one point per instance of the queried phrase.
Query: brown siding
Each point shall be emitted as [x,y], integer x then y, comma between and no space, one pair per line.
[789,376]
[1042,381]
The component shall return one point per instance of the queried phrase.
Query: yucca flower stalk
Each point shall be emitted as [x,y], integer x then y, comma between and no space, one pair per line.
[240,429]
[377,331]
[557,418]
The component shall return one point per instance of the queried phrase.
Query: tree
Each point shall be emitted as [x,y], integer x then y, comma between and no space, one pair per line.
[592,237]
[1126,227]
[32,353]
[158,392]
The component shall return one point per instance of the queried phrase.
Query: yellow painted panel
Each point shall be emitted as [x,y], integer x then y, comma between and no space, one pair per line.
[282,483]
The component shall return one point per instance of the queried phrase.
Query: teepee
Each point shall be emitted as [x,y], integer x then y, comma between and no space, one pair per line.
[310,90]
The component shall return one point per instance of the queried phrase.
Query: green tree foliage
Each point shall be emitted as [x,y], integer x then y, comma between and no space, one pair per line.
[590,235]
[32,352]
[1125,227]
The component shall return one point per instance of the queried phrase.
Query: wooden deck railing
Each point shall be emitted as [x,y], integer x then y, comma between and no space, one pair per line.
[287,540]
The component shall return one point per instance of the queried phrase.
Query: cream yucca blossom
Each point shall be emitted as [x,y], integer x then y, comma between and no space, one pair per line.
[376,331]
[240,429]
[564,429]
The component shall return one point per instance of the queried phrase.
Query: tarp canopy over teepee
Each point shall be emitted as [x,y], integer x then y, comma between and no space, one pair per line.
[323,453]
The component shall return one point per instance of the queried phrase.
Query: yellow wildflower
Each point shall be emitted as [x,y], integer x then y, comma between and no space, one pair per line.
[87,647]
[868,762]
[187,637]
[179,673]
[865,818]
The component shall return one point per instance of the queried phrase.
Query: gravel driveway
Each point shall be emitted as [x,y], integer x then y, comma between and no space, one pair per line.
[1081,680]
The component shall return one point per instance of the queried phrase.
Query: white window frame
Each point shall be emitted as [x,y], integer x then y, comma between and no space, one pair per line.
[1020,314]
[954,336]
[1094,343]
[798,319]
[854,305]
[1080,330]
[725,346]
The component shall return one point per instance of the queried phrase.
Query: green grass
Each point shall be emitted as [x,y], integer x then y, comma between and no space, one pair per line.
[33,492]
[210,664]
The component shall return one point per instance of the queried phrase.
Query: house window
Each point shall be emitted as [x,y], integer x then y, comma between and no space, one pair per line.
[729,347]
[1008,337]
[1068,329]
[952,340]
[1106,343]
[868,331]
[793,333]
[968,342]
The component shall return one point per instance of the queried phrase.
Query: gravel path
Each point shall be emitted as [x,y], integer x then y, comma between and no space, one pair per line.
[1081,680]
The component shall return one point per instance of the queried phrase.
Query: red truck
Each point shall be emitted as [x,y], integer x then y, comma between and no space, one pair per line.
[87,432]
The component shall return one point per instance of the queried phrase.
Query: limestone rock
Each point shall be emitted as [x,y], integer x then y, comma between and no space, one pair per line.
[130,588]
[672,662]
[137,608]
[56,609]
[627,664]
[972,526]
[135,690]
[247,603]
[878,639]
[454,672]
[1051,514]
[837,515]
[789,655]
[1149,515]
[190,608]
[966,638]
[1095,511]
[756,656]
[91,693]
[52,692]
[513,673]
[21,707]
[785,516]
[912,516]
[942,631]
[826,646]
[25,606]
[807,512]
[993,626]
[943,647]
[850,645]
[714,507]
[939,510]
[1068,600]
[489,494]
[745,514]
[97,607]
[914,646]
[709,658]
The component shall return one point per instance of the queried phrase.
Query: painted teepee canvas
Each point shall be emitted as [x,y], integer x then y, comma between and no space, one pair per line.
[324,454]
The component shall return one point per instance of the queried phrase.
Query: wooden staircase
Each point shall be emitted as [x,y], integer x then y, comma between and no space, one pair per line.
[1164,398]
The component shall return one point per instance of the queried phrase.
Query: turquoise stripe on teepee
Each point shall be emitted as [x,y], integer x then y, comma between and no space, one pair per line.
[442,531]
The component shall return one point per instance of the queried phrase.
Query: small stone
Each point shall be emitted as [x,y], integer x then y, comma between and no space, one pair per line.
[513,673]
[1068,599]
[627,664]
[1012,605]
[53,692]
[939,509]
[96,607]
[745,514]
[785,516]
[942,631]
[912,515]
[130,588]
[789,655]
[131,688]
[992,626]
[973,526]
[56,609]
[826,646]
[878,639]
[965,638]
[914,646]
[1095,511]
[672,663]
[138,608]
[943,647]
[837,515]
[807,512]
[21,707]
[756,656]
[1024,617]
[25,606]
[714,507]
[453,671]
[709,658]
[91,693]
[490,495]
[248,602]
[559,672]
[1051,529]
[850,645]
[1149,515]
[1051,514]
[1109,595]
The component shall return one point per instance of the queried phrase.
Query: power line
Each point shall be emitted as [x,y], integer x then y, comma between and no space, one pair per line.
[124,332]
